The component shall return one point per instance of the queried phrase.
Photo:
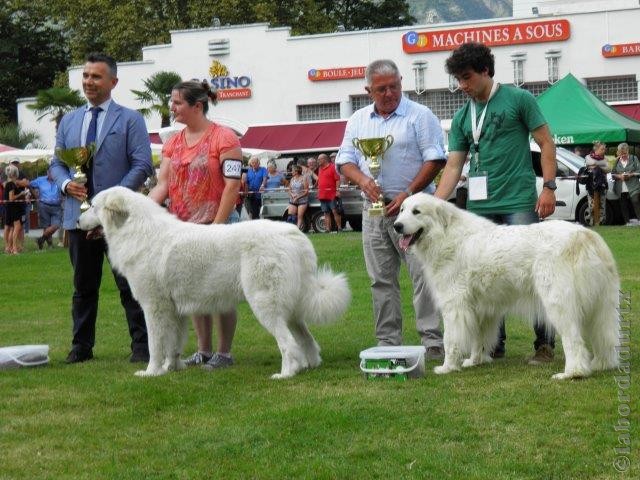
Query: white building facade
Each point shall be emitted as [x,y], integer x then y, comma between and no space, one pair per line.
[266,76]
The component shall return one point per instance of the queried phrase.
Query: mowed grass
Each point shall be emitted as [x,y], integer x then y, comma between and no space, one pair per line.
[97,420]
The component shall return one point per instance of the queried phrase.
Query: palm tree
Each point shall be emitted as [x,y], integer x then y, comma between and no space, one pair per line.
[158,93]
[11,134]
[56,101]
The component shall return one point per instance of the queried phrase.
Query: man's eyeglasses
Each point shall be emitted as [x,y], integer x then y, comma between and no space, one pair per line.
[383,89]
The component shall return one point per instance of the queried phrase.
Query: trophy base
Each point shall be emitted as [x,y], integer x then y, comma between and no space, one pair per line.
[377,211]
[84,206]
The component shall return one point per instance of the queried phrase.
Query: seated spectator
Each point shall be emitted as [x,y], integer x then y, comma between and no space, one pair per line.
[627,184]
[298,197]
[275,179]
[49,207]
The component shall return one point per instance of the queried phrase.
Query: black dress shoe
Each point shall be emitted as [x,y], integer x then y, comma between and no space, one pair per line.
[77,356]
[139,356]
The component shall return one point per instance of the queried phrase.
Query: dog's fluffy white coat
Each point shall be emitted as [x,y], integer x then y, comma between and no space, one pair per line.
[176,269]
[479,271]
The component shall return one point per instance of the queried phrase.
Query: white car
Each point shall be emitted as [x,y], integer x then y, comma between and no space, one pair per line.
[570,205]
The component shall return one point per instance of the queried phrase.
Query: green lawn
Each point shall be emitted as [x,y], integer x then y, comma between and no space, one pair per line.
[96,420]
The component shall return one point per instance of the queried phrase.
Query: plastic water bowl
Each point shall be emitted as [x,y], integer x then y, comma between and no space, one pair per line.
[398,363]
[24,356]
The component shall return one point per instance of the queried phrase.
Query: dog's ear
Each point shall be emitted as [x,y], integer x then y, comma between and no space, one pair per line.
[116,207]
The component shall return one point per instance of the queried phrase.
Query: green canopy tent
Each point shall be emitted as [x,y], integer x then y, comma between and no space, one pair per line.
[577,116]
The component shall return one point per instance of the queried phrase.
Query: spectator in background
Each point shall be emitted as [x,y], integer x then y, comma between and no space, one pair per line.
[49,207]
[627,184]
[328,192]
[275,179]
[311,172]
[23,182]
[298,197]
[254,183]
[597,167]
[13,196]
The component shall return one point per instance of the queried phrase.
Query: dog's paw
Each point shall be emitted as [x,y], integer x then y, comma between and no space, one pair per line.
[280,376]
[569,376]
[468,363]
[443,369]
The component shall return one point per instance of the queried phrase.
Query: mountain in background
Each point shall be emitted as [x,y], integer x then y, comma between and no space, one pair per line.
[439,11]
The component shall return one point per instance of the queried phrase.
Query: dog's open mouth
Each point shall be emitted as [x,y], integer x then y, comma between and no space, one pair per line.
[407,240]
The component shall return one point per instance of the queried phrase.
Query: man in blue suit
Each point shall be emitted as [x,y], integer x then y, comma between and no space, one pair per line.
[122,157]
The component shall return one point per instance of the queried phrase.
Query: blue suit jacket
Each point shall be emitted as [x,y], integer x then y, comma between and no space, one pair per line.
[122,156]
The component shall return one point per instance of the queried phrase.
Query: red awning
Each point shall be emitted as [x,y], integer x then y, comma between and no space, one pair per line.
[6,148]
[296,137]
[631,110]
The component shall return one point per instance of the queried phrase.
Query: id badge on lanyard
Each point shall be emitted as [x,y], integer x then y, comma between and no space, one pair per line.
[479,179]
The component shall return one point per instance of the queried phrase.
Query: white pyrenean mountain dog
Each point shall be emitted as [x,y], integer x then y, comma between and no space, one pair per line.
[479,271]
[176,269]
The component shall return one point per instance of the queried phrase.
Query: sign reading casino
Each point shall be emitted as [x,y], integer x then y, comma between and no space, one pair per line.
[495,35]
[228,87]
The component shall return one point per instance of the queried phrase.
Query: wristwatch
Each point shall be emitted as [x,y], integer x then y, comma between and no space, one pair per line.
[550,184]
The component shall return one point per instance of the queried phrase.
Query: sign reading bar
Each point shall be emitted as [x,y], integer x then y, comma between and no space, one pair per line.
[621,50]
[495,35]
[318,75]
[233,93]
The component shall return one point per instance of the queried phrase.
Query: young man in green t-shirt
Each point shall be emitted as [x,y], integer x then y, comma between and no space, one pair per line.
[494,127]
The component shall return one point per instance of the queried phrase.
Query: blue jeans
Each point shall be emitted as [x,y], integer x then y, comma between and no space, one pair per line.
[543,335]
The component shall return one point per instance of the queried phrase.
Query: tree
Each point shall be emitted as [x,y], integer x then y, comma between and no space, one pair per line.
[56,101]
[32,51]
[11,134]
[158,93]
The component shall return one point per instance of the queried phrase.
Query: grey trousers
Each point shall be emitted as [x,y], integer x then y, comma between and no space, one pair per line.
[383,259]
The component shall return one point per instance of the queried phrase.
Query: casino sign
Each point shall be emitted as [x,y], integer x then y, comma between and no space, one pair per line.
[228,87]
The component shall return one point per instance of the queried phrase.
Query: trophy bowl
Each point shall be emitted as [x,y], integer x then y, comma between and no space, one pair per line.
[78,158]
[373,149]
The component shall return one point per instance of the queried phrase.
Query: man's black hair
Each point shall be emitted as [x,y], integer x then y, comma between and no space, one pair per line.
[96,57]
[472,55]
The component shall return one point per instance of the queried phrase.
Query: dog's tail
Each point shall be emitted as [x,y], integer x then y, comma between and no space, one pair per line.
[326,296]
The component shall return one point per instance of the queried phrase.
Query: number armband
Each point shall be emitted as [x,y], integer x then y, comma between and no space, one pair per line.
[232,168]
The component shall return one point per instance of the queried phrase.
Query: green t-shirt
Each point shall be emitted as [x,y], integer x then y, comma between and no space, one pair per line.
[504,151]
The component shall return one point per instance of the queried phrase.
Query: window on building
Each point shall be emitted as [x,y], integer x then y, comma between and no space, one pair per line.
[536,88]
[553,61]
[359,101]
[614,89]
[518,68]
[318,111]
[442,103]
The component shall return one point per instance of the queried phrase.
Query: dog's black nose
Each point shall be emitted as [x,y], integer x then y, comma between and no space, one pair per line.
[398,227]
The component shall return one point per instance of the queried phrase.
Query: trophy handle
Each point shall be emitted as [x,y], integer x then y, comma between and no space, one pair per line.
[388,142]
[356,143]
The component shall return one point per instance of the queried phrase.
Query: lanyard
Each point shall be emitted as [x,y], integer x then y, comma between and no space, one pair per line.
[476,128]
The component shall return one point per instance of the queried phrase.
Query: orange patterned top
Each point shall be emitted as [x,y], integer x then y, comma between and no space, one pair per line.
[195,176]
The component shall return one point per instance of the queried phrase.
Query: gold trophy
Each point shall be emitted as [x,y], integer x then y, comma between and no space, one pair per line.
[373,149]
[78,158]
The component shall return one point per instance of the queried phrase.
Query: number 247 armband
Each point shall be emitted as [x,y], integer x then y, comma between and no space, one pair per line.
[232,168]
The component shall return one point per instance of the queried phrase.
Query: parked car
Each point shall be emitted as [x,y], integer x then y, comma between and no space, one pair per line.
[276,202]
[570,205]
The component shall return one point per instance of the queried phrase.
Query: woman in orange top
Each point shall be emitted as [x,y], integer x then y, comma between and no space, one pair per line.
[200,175]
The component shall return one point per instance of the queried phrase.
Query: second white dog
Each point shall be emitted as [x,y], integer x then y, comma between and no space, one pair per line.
[480,271]
[176,269]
